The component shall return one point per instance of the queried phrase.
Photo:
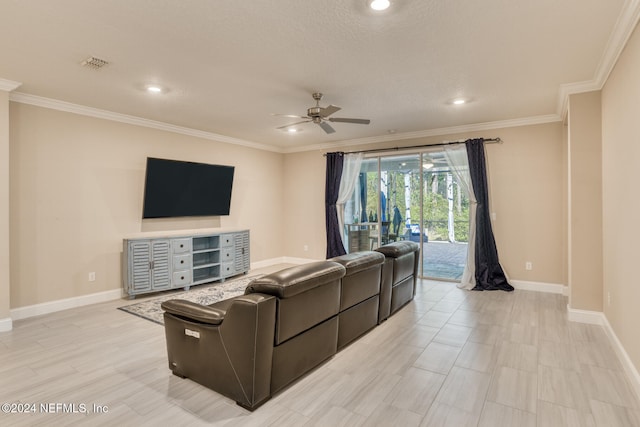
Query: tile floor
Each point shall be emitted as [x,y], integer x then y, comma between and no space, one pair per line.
[449,358]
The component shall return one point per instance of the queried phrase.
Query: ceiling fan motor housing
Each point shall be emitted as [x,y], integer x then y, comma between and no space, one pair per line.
[314,111]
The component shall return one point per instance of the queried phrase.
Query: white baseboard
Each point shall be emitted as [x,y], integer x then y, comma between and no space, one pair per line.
[6,324]
[627,364]
[599,318]
[586,316]
[553,288]
[64,304]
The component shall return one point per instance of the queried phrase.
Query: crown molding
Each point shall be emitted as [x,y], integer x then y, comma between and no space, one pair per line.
[624,27]
[618,39]
[572,89]
[527,121]
[69,107]
[8,85]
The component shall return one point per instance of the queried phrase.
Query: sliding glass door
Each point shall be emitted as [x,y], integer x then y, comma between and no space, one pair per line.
[400,184]
[361,211]
[445,217]
[412,197]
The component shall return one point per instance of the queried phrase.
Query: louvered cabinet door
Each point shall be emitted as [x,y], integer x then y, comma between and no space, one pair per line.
[148,266]
[160,272]
[242,259]
[139,259]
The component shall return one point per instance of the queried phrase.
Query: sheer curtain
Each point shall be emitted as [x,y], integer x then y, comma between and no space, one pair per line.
[350,173]
[456,156]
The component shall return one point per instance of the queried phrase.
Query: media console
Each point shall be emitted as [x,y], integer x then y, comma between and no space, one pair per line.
[158,263]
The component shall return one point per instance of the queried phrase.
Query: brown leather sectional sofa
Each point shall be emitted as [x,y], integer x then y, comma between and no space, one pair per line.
[287,323]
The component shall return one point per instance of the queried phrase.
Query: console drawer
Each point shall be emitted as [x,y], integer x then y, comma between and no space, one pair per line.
[226,240]
[228,269]
[227,255]
[181,262]
[179,246]
[182,278]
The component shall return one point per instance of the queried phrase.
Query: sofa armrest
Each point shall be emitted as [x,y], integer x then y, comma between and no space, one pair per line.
[194,311]
[227,346]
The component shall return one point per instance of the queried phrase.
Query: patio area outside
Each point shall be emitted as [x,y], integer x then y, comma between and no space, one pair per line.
[443,260]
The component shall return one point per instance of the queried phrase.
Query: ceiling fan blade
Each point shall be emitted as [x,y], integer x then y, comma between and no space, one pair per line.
[293,124]
[344,120]
[326,127]
[327,111]
[289,115]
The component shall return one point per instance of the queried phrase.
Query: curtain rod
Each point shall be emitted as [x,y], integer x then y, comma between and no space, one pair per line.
[439,144]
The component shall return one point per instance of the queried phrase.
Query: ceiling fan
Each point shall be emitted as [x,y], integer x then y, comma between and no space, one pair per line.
[320,116]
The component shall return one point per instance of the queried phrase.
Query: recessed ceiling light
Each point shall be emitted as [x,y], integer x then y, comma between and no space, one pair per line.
[459,101]
[379,4]
[154,89]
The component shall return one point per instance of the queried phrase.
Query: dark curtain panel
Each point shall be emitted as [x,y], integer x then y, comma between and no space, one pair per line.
[335,163]
[489,273]
[362,181]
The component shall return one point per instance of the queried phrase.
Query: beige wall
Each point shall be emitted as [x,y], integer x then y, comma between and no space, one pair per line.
[76,192]
[77,183]
[4,206]
[585,201]
[525,179]
[304,205]
[621,204]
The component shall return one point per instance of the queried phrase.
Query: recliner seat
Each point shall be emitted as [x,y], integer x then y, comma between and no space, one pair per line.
[359,298]
[399,276]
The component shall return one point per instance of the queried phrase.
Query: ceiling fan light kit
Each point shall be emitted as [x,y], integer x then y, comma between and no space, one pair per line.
[320,116]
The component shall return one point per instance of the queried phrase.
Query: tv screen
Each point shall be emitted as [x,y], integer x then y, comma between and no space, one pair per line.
[175,189]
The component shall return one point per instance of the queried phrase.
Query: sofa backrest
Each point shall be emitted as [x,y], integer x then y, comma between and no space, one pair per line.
[306,294]
[405,255]
[362,278]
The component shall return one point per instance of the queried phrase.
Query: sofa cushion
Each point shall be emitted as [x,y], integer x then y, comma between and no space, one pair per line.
[295,280]
[358,261]
[405,258]
[308,294]
[362,280]
[397,249]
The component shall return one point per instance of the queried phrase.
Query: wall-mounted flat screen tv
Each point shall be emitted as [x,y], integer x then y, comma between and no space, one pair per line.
[177,189]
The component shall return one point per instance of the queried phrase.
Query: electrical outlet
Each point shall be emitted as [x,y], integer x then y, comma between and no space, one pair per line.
[92,276]
[306,248]
[528,265]
[608,298]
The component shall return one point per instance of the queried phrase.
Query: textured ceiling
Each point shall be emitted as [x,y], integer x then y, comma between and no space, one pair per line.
[229,64]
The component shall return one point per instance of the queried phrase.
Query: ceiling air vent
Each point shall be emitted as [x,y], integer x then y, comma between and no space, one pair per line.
[94,63]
